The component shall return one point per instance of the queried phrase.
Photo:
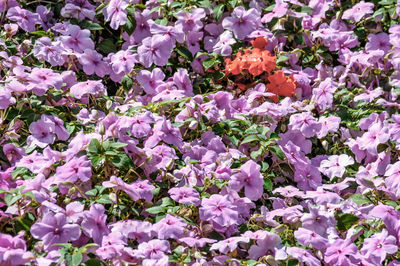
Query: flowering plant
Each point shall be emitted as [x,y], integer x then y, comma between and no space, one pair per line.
[199,132]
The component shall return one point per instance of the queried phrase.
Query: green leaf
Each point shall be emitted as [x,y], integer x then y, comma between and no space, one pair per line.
[95,146]
[92,192]
[123,160]
[94,262]
[209,62]
[130,25]
[155,210]
[233,3]
[19,171]
[185,53]
[345,221]
[249,139]
[276,150]
[268,185]
[282,59]
[117,145]
[218,11]
[257,153]
[40,33]
[94,26]
[205,4]
[105,199]
[359,199]
[107,46]
[306,9]
[77,259]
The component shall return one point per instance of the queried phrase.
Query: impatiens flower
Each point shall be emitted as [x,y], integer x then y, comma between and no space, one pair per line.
[242,22]
[317,221]
[53,229]
[377,133]
[92,63]
[378,246]
[196,242]
[150,80]
[170,227]
[123,62]
[305,123]
[229,244]
[78,39]
[267,246]
[341,252]
[155,50]
[74,169]
[335,165]
[50,51]
[307,237]
[303,255]
[43,132]
[358,11]
[116,13]
[93,87]
[24,18]
[392,180]
[112,246]
[6,98]
[323,95]
[218,209]
[141,231]
[223,44]
[250,178]
[190,22]
[94,223]
[185,195]
[13,250]
[154,249]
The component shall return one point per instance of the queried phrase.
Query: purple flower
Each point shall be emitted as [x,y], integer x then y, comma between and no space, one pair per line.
[303,255]
[150,80]
[323,95]
[392,180]
[377,133]
[182,81]
[307,237]
[223,44]
[94,87]
[155,49]
[142,29]
[341,252]
[229,244]
[242,22]
[54,229]
[170,33]
[74,169]
[116,13]
[123,62]
[170,227]
[80,13]
[50,51]
[141,231]
[13,250]
[43,132]
[358,11]
[380,41]
[335,165]
[41,79]
[250,178]
[378,246]
[318,221]
[154,249]
[279,11]
[190,22]
[94,223]
[218,209]
[78,40]
[24,18]
[307,177]
[305,123]
[185,195]
[267,246]
[92,63]
[5,98]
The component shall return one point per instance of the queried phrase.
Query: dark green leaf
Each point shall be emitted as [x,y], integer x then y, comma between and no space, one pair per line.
[94,146]
[155,210]
[77,259]
[359,199]
[346,220]
[249,139]
[185,53]
[306,9]
[94,26]
[209,62]
[268,185]
[107,46]
[275,149]
[130,25]
[282,59]
[94,262]
[218,11]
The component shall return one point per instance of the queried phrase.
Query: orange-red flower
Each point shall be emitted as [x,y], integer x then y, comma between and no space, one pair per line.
[281,85]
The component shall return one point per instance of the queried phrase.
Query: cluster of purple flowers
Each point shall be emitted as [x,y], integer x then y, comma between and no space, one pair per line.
[174,167]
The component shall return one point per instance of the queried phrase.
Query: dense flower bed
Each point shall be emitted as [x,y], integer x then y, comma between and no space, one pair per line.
[199,132]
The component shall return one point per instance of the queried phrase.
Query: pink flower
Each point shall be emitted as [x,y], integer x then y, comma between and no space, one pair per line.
[116,13]
[250,178]
[218,209]
[358,11]
[341,252]
[335,165]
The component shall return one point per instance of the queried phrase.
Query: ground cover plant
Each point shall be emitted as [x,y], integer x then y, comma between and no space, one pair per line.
[199,132]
